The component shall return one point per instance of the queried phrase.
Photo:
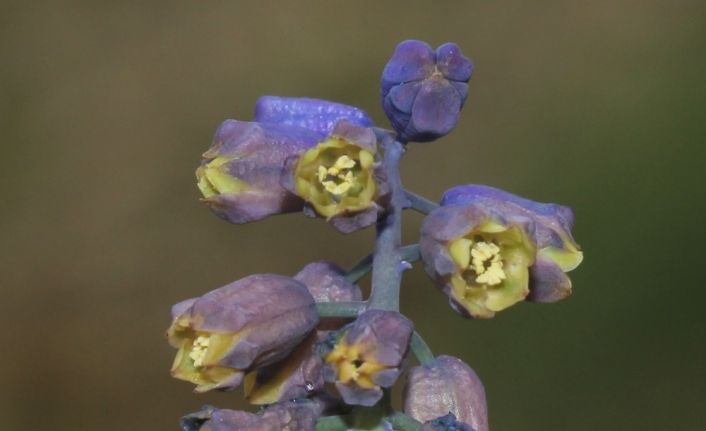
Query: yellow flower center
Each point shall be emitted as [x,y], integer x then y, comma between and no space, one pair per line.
[214,179]
[337,179]
[198,350]
[487,263]
[352,366]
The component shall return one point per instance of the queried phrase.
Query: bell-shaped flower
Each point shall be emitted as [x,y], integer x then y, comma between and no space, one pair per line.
[423,90]
[300,374]
[488,249]
[366,356]
[341,178]
[317,115]
[239,176]
[446,385]
[250,323]
[290,416]
[326,282]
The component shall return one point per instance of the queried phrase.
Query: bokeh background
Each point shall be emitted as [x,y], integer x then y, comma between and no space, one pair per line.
[105,108]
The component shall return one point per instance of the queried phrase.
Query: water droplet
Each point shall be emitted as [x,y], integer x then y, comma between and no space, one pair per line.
[309,387]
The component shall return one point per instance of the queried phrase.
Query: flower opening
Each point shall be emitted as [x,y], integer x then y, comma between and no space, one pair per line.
[336,176]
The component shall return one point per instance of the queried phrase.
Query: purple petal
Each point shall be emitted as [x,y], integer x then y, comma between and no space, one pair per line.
[436,110]
[412,60]
[326,282]
[452,63]
[446,385]
[312,114]
[548,283]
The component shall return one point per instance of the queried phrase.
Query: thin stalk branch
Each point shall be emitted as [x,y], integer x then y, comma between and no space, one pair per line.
[408,253]
[332,423]
[420,203]
[402,422]
[360,269]
[421,349]
[340,309]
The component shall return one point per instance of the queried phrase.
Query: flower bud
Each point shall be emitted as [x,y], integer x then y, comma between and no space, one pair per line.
[300,374]
[446,385]
[488,249]
[341,178]
[291,416]
[245,325]
[326,282]
[366,356]
[240,174]
[312,114]
[423,91]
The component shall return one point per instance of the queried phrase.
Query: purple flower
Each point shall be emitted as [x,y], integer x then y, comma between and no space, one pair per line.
[320,116]
[488,249]
[290,416]
[245,325]
[326,282]
[341,178]
[424,90]
[240,174]
[300,374]
[366,356]
[446,385]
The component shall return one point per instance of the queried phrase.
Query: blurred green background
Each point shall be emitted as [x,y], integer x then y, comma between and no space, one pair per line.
[105,109]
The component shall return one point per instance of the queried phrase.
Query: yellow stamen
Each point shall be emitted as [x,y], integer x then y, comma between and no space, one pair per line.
[341,170]
[198,350]
[214,179]
[352,366]
[487,263]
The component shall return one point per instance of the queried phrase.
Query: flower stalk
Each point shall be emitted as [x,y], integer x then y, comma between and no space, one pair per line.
[420,203]
[387,273]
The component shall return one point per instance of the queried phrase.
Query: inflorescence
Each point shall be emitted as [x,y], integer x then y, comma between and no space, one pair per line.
[283,338]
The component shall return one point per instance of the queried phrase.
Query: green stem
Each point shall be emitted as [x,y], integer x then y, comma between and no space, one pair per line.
[421,349]
[332,423]
[402,422]
[360,269]
[420,203]
[340,309]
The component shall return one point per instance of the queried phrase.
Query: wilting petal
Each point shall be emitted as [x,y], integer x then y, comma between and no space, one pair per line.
[446,385]
[250,323]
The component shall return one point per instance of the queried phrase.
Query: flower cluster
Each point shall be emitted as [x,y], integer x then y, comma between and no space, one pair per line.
[308,349]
